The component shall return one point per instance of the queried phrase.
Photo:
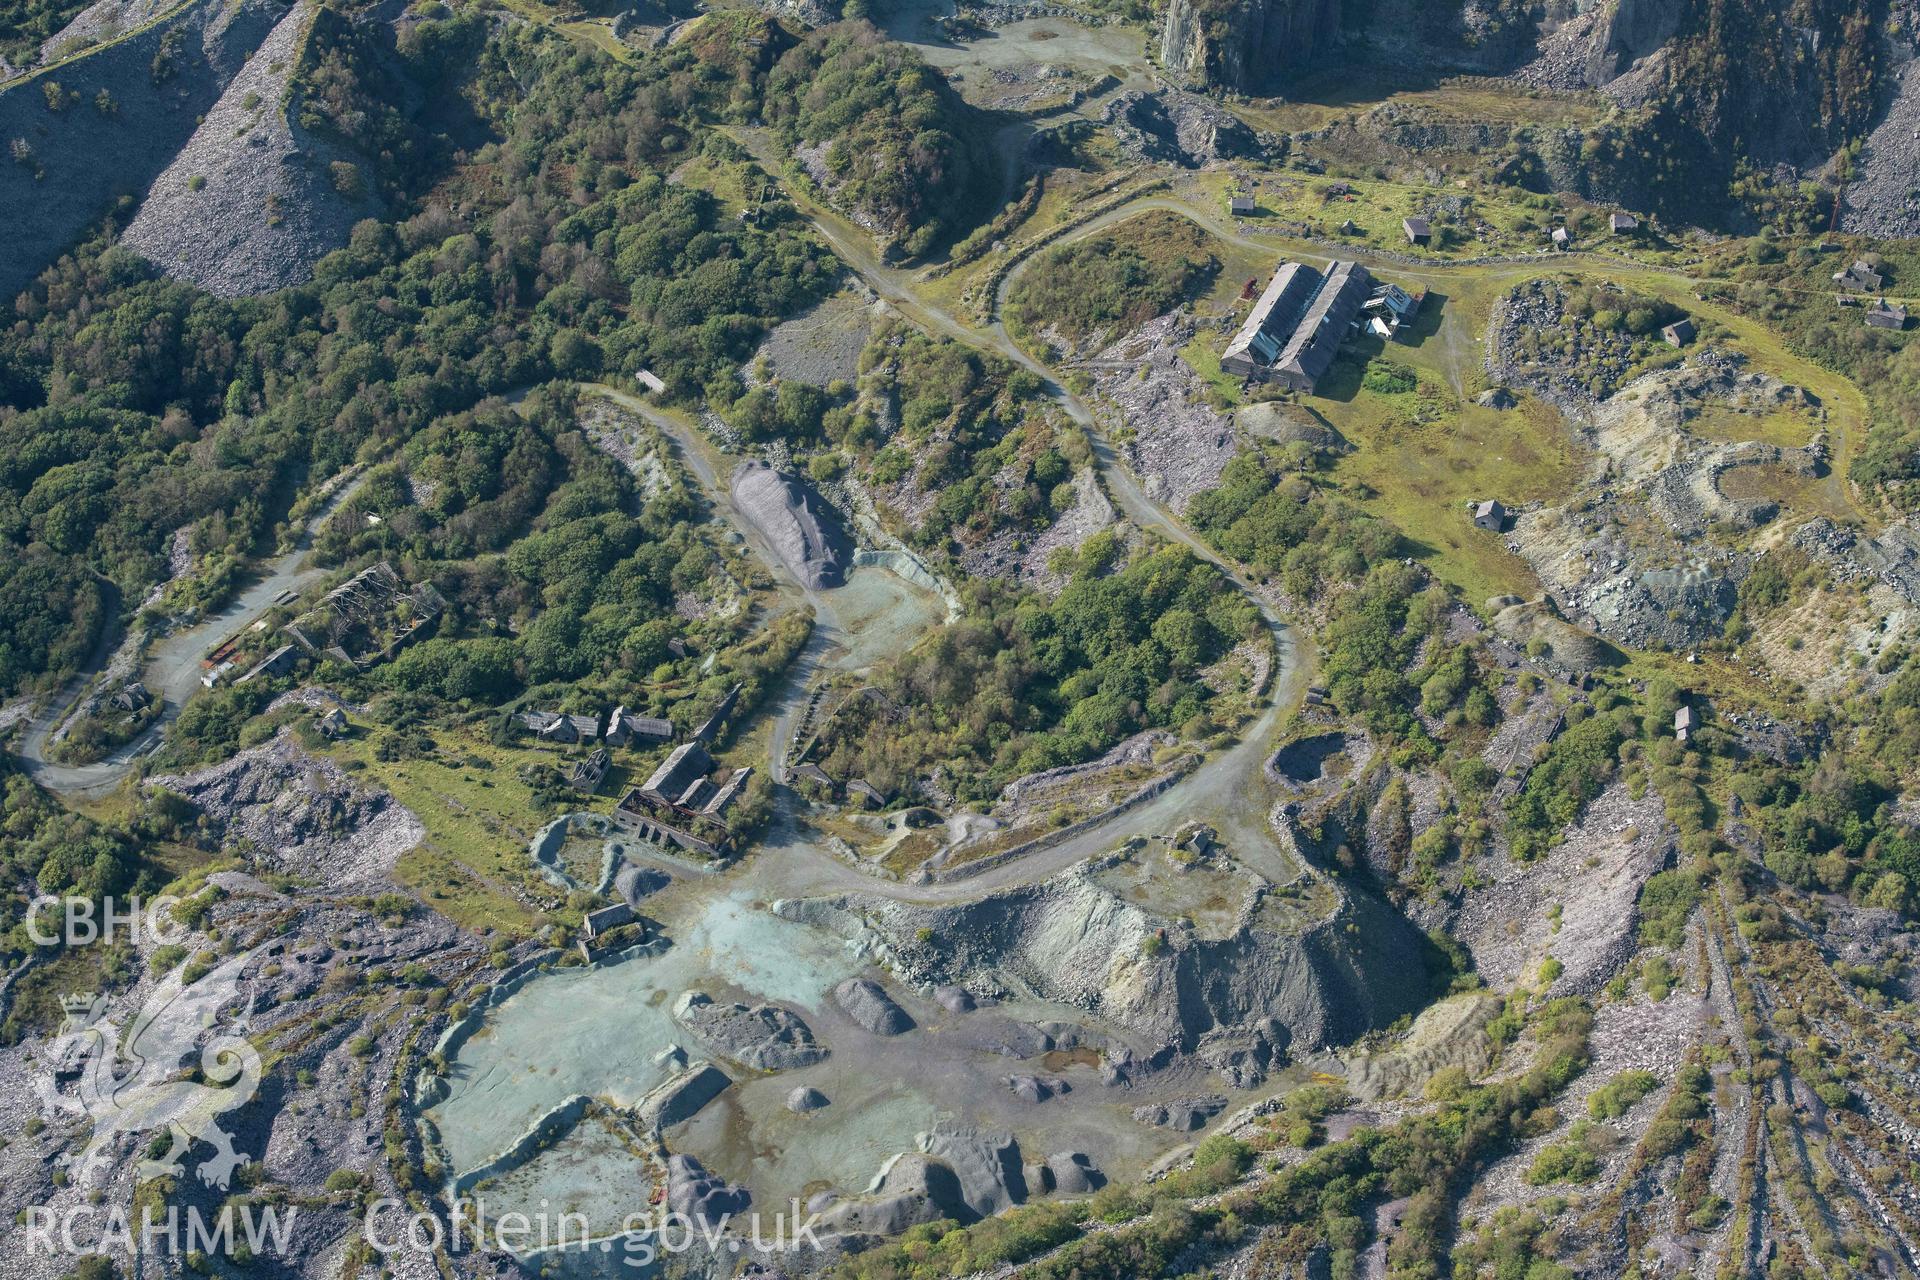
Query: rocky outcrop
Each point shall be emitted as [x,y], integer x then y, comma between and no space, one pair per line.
[764,1037]
[695,1194]
[911,1190]
[300,814]
[986,1161]
[683,1097]
[67,166]
[1245,45]
[1067,1173]
[1176,441]
[1183,1115]
[99,23]
[253,200]
[805,1098]
[1325,981]
[1528,911]
[959,1172]
[802,530]
[1033,1088]
[1180,128]
[868,1004]
[1885,201]
[634,884]
[1629,31]
[1600,43]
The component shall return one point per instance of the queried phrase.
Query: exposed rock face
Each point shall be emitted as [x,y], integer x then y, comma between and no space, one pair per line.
[806,1098]
[1243,1055]
[99,23]
[1884,201]
[684,1097]
[987,1163]
[1178,128]
[1632,580]
[1008,1037]
[802,531]
[1627,32]
[633,885]
[959,1172]
[252,201]
[1032,1088]
[1184,1115]
[1600,43]
[79,159]
[694,1193]
[870,1006]
[1526,913]
[1071,1173]
[764,1037]
[1245,45]
[300,814]
[1325,981]
[1177,443]
[912,1189]
[1284,423]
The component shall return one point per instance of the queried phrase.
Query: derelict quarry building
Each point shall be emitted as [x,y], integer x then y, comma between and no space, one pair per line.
[1298,323]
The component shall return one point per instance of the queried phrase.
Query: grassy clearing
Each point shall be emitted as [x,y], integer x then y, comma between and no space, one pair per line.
[1490,219]
[1802,495]
[569,20]
[479,814]
[726,182]
[1420,457]
[1315,103]
[1790,429]
[1844,406]
[1203,355]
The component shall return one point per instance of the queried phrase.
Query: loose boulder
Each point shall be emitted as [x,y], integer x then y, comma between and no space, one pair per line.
[1072,1173]
[1184,1115]
[869,1005]
[912,1189]
[764,1037]
[696,1194]
[1029,1088]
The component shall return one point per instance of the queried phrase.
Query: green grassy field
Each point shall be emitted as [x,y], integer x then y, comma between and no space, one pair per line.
[1315,102]
[1421,456]
[479,813]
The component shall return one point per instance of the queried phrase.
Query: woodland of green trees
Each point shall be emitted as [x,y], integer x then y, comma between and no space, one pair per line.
[1029,683]
[965,421]
[1113,283]
[136,405]
[899,144]
[25,25]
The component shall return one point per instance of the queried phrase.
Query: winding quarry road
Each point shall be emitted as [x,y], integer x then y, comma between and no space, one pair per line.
[1230,791]
[172,670]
